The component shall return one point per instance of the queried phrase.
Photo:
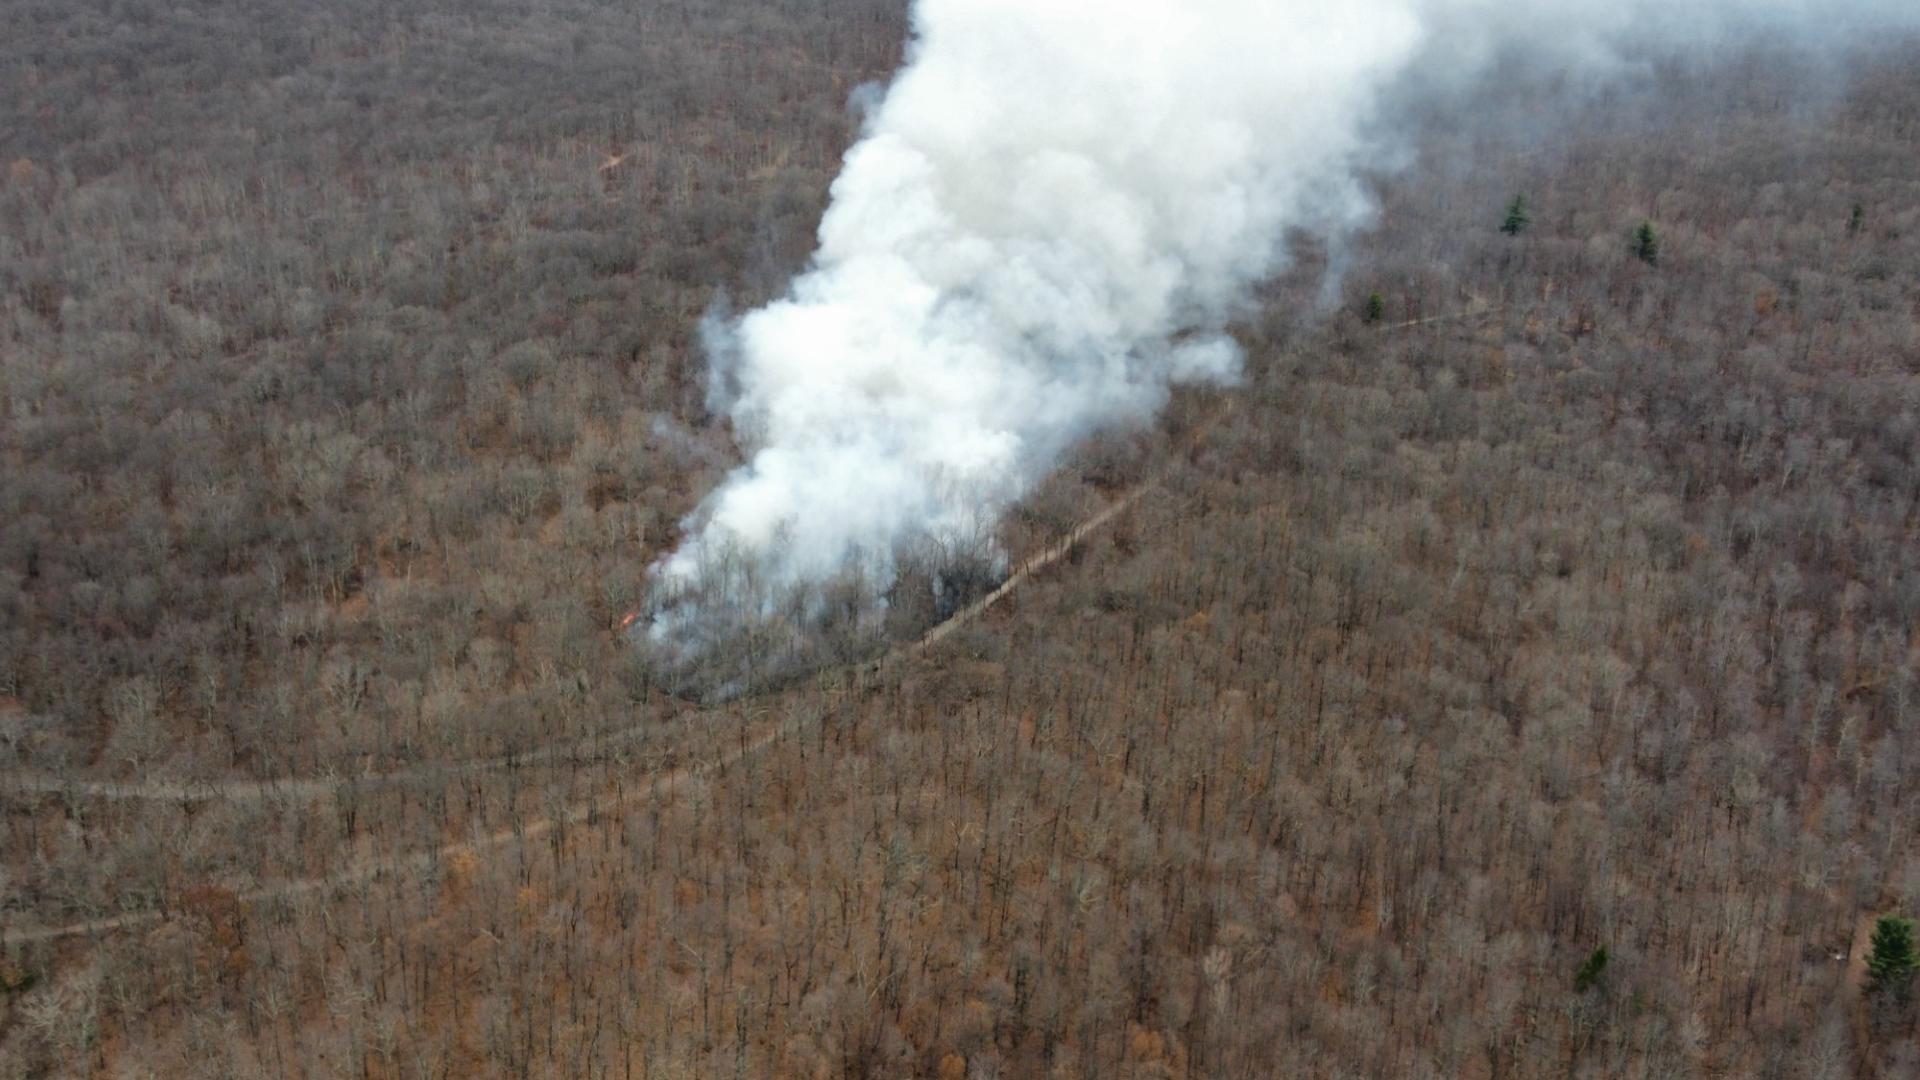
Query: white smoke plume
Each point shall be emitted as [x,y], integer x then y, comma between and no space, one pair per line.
[1051,215]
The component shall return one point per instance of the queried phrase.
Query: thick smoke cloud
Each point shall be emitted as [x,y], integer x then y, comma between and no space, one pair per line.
[1051,215]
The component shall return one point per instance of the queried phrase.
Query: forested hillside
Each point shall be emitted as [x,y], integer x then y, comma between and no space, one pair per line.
[1540,592]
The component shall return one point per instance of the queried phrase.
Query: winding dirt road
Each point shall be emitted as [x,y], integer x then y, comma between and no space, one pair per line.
[282,788]
[661,785]
[380,868]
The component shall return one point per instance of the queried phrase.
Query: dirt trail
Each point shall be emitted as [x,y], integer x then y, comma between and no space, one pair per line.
[583,749]
[659,786]
[1473,311]
[170,790]
[662,784]
[302,788]
[317,787]
[282,788]
[1058,550]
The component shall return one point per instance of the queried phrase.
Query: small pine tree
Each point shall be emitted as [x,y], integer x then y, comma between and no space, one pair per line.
[1646,244]
[1590,972]
[1517,217]
[1891,966]
[1858,221]
[1376,308]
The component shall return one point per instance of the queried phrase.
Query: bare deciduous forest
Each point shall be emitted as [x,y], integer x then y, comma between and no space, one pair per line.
[350,381]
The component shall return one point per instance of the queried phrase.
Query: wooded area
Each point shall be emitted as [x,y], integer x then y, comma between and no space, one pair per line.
[1531,694]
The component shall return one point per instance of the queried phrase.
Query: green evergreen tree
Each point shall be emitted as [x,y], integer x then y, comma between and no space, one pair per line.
[1858,221]
[1646,244]
[1590,972]
[1517,217]
[1376,308]
[1891,966]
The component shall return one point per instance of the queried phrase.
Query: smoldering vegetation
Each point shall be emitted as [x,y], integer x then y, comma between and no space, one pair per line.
[1451,656]
[730,628]
[733,628]
[1051,215]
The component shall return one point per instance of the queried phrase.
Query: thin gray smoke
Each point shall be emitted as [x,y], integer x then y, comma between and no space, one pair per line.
[1050,217]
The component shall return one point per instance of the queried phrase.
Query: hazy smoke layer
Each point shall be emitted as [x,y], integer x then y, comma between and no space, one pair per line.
[1052,211]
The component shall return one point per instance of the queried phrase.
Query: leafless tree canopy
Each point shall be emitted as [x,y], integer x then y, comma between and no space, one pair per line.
[349,383]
